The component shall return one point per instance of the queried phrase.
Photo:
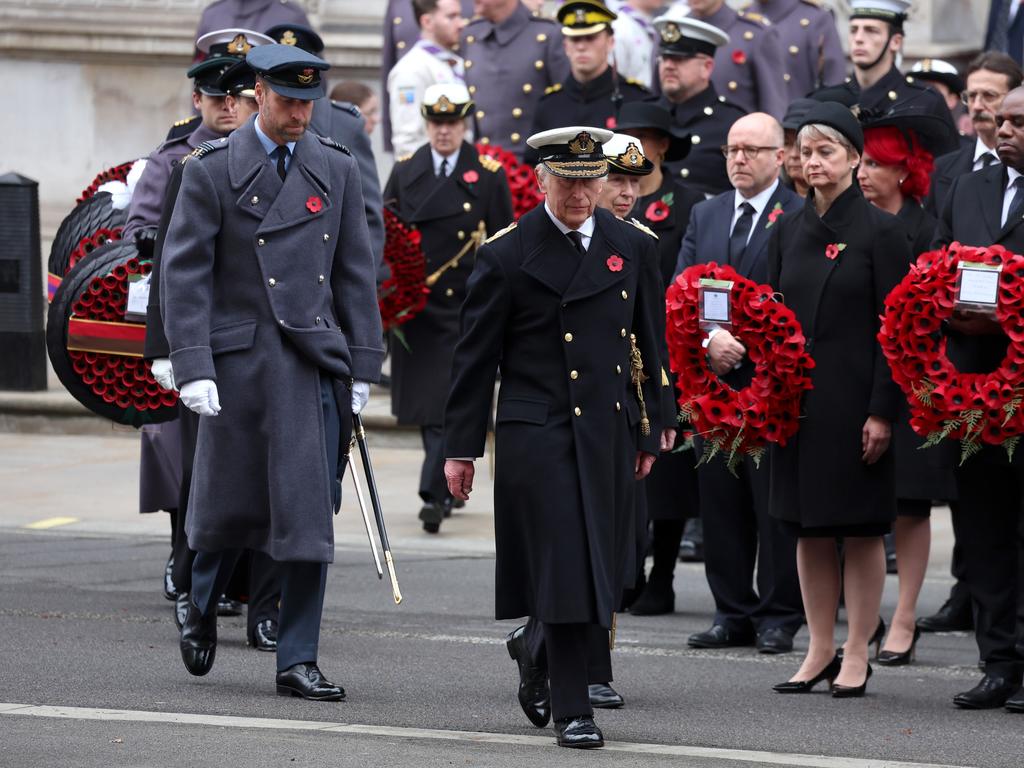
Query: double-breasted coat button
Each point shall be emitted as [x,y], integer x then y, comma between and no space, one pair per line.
[538,64]
[515,137]
[326,237]
[320,279]
[541,37]
[261,241]
[568,337]
[517,112]
[400,45]
[684,172]
[695,139]
[709,111]
[786,77]
[255,200]
[461,235]
[748,35]
[618,369]
[479,114]
[472,89]
[625,295]
[527,88]
[449,292]
[578,411]
[467,63]
[892,95]
[466,206]
[574,375]
[271,282]
[397,20]
[805,22]
[794,50]
[317,320]
[733,85]
[618,406]
[622,333]
[470,38]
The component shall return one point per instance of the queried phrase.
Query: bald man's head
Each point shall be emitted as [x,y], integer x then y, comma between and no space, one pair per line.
[754,153]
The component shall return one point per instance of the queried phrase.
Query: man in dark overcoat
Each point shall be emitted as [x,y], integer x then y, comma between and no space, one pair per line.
[981,209]
[556,301]
[270,309]
[455,198]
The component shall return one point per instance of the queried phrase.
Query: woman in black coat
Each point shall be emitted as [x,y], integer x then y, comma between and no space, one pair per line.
[895,176]
[835,263]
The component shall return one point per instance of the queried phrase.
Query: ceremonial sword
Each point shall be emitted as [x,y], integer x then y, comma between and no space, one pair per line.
[362,509]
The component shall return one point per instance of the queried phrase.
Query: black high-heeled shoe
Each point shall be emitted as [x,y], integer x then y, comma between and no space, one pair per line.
[851,691]
[829,673]
[900,658]
[875,640]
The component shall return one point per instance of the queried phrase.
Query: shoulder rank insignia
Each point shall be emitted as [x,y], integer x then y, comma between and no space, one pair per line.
[185,121]
[327,141]
[642,227]
[207,147]
[815,3]
[501,232]
[755,17]
[552,89]
[403,158]
[489,163]
[347,106]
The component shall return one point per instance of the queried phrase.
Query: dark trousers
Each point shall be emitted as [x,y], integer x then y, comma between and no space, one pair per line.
[739,534]
[986,521]
[574,655]
[433,486]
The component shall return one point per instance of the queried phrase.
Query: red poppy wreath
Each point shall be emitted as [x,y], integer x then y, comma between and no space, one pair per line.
[403,295]
[975,408]
[738,423]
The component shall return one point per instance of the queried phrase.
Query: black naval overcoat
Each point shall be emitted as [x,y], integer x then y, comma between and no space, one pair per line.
[818,479]
[267,286]
[567,421]
[446,213]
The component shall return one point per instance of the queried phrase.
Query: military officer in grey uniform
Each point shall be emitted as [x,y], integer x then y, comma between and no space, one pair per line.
[812,54]
[749,68]
[250,14]
[685,67]
[270,309]
[511,57]
[593,92]
[342,122]
[556,300]
[455,198]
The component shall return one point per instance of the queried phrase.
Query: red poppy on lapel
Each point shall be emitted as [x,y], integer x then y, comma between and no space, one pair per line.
[611,123]
[314,204]
[832,250]
[657,211]
[471,176]
[739,57]
[614,263]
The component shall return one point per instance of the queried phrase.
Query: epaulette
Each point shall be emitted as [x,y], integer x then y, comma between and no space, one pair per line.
[501,232]
[552,89]
[642,227]
[636,83]
[206,148]
[815,3]
[327,141]
[347,106]
[403,158]
[755,17]
[490,164]
[185,121]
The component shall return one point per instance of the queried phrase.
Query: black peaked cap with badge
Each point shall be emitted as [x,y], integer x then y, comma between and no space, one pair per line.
[297,35]
[575,152]
[238,80]
[585,17]
[625,155]
[289,71]
[446,103]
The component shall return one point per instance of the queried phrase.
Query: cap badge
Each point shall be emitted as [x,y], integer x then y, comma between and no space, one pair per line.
[583,144]
[632,156]
[239,45]
[307,76]
[671,33]
[288,38]
[581,16]
[444,105]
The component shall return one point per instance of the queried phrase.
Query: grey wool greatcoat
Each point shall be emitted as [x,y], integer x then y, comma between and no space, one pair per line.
[818,479]
[266,286]
[567,432]
[446,213]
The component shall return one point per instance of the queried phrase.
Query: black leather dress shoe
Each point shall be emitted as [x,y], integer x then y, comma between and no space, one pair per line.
[264,636]
[603,696]
[1016,702]
[308,682]
[578,733]
[458,503]
[951,617]
[170,591]
[720,636]
[991,693]
[198,641]
[534,695]
[431,514]
[181,603]
[774,640]
[657,599]
[228,607]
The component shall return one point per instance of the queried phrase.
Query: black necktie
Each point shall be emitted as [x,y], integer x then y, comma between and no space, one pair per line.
[1017,204]
[738,238]
[577,240]
[987,159]
[443,173]
[282,154]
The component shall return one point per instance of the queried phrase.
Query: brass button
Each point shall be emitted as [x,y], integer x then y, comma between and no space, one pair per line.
[538,64]
[618,406]
[684,172]
[397,20]
[709,111]
[485,140]
[317,320]
[470,39]
[255,200]
[466,207]
[271,282]
[578,411]
[568,337]
[622,333]
[261,241]
[695,139]
[320,279]
[280,322]
[515,137]
[805,22]
[326,237]
[786,77]
[892,95]
[794,50]
[625,295]
[574,375]
[479,114]
[618,369]
[541,37]
[449,292]
[517,112]
[400,45]
[527,88]
[461,235]
[748,35]
[472,89]
[467,64]
[733,85]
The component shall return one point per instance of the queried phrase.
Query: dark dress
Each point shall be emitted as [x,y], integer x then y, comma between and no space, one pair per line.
[921,475]
[818,481]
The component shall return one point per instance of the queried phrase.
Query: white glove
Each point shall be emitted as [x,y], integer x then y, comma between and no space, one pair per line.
[163,373]
[360,394]
[201,397]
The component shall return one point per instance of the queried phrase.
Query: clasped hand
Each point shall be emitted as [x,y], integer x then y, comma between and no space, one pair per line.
[725,352]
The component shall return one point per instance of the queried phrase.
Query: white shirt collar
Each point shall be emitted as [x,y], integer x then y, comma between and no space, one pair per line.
[452,159]
[980,149]
[586,228]
[759,201]
[1012,174]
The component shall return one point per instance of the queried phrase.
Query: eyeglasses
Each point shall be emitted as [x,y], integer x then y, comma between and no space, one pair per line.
[986,97]
[750,153]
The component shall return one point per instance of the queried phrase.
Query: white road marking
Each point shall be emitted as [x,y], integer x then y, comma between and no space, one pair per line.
[475,737]
[51,522]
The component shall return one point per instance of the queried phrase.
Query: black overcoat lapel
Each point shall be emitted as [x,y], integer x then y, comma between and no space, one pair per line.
[598,269]
[550,257]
